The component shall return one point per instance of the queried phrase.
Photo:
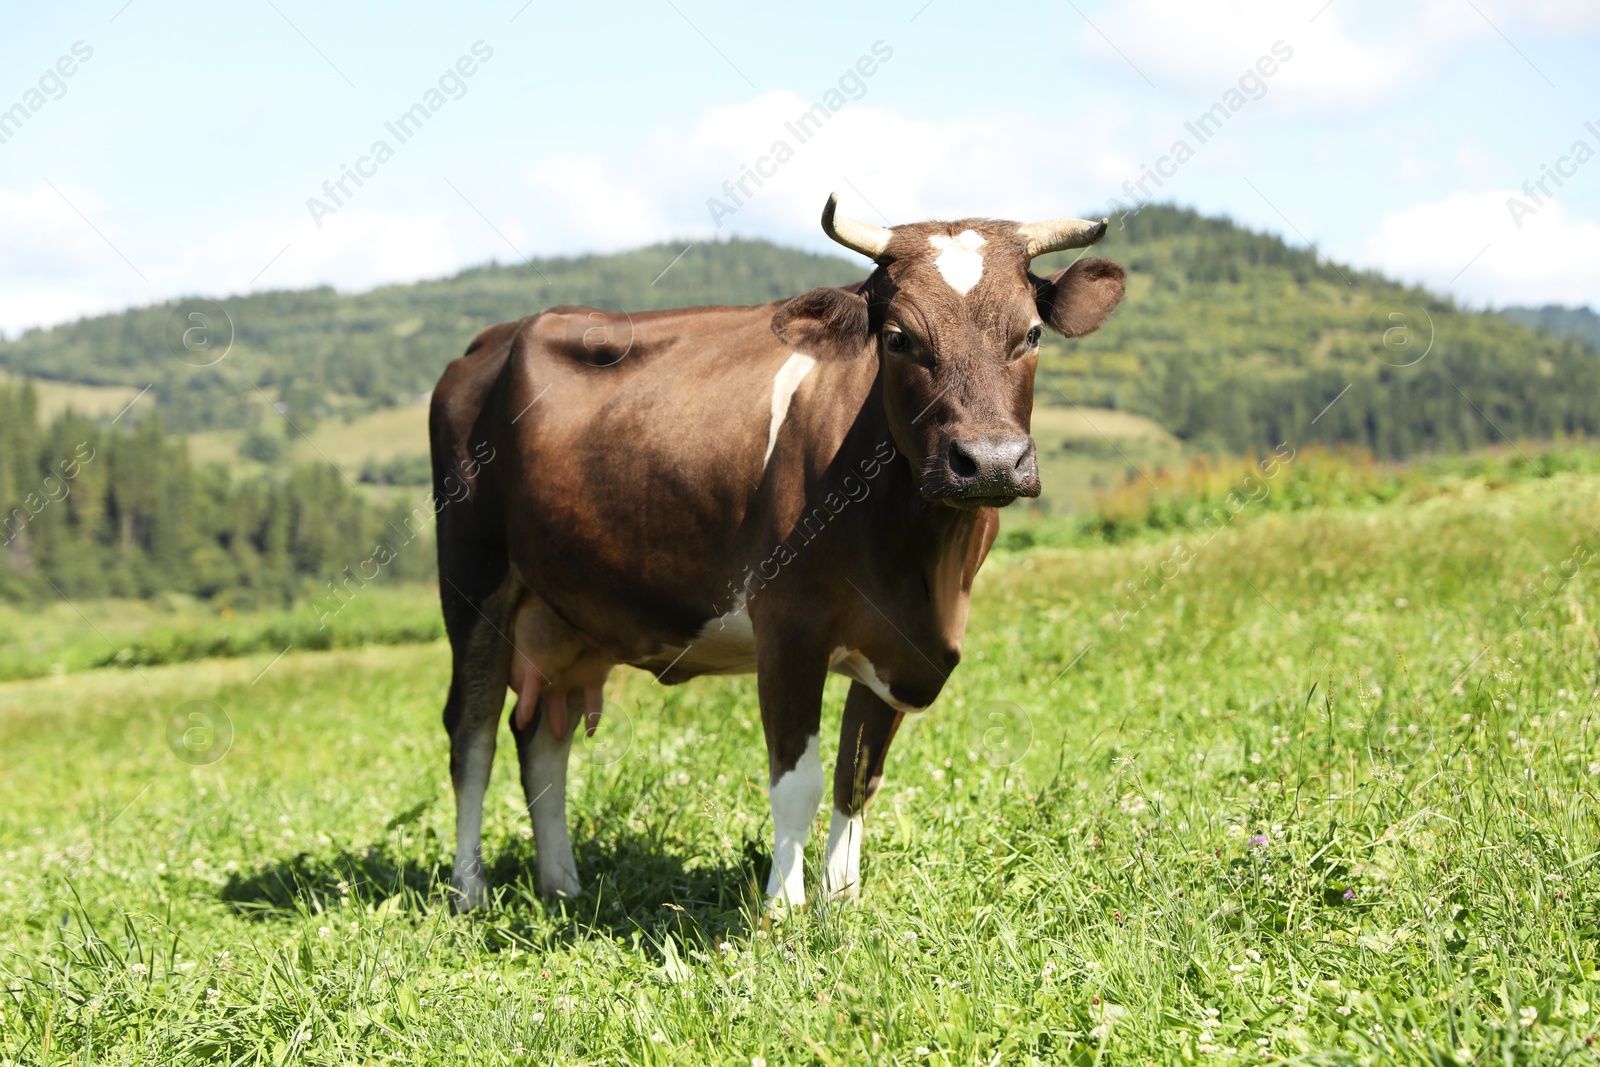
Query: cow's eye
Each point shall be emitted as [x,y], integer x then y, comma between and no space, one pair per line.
[897,342]
[1034,335]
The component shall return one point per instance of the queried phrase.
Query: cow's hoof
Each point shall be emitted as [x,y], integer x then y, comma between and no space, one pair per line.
[467,894]
[846,894]
[779,907]
[563,886]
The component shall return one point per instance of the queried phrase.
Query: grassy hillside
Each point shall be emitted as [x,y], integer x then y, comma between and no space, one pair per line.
[1327,798]
[1230,340]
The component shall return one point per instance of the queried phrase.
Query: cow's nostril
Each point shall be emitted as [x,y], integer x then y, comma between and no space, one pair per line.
[962,464]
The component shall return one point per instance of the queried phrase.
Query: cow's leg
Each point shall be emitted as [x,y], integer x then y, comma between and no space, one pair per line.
[472,747]
[790,686]
[472,718]
[543,757]
[864,736]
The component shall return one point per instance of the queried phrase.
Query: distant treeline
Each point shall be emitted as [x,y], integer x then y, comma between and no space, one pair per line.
[94,510]
[1233,340]
[1579,322]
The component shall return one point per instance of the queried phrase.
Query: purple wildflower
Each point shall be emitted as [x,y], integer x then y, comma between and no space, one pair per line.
[1350,894]
[1260,841]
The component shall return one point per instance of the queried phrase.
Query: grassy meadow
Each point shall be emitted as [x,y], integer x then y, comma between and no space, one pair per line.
[60,637]
[1313,786]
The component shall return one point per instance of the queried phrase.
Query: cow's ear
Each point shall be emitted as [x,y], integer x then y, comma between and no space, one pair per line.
[824,322]
[1077,300]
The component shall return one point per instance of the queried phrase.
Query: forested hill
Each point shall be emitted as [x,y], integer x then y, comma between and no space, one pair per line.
[1235,341]
[324,352]
[1231,339]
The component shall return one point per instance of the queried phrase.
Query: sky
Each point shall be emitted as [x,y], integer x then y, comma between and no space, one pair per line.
[155,149]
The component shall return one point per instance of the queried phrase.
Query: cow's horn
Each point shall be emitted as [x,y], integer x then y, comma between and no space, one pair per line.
[861,237]
[1053,235]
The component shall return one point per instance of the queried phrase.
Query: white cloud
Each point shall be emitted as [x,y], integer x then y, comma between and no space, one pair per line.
[587,202]
[876,159]
[47,307]
[1349,55]
[1557,16]
[44,236]
[354,249]
[1205,48]
[1553,257]
[1564,15]
[55,268]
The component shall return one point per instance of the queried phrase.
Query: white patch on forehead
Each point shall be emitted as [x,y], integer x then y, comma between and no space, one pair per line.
[784,383]
[959,261]
[855,666]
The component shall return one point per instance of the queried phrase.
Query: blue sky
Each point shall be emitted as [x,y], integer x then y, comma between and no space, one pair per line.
[179,157]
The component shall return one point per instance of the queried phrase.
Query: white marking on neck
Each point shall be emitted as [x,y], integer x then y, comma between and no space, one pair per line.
[855,666]
[784,383]
[959,261]
[725,645]
[795,796]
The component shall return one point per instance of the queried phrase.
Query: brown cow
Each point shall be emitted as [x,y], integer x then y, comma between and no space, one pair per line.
[786,490]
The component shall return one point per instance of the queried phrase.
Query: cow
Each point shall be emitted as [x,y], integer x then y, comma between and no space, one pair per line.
[786,490]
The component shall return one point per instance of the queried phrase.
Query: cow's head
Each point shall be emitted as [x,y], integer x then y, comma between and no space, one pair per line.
[955,317]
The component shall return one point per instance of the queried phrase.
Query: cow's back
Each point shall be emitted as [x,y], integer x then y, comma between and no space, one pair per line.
[636,450]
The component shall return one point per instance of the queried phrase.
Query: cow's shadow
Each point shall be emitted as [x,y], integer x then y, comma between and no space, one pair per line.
[632,885]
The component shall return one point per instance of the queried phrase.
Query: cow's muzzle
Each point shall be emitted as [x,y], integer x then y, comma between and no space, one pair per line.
[986,472]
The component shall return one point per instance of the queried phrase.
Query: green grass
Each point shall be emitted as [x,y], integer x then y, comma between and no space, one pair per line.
[1198,495]
[1326,795]
[60,637]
